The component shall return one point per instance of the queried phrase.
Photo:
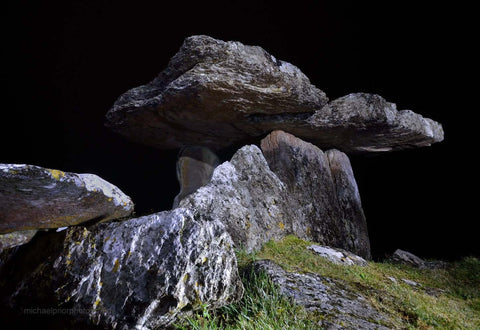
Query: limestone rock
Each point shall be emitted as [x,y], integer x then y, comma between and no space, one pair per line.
[296,195]
[32,197]
[342,307]
[322,192]
[338,256]
[16,238]
[195,166]
[407,258]
[216,94]
[141,273]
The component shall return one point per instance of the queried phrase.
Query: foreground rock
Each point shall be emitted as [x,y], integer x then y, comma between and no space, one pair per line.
[215,94]
[343,308]
[300,196]
[32,197]
[141,273]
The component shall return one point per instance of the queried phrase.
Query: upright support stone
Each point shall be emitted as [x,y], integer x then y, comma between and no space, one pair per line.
[321,190]
[195,166]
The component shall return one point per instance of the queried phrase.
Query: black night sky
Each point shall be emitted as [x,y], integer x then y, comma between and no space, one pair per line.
[66,62]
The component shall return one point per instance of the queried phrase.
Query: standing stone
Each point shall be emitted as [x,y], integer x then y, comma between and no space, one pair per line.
[33,197]
[195,166]
[322,190]
[287,189]
[141,273]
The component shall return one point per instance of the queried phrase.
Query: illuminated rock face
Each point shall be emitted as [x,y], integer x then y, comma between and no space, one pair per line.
[288,187]
[32,197]
[141,273]
[217,94]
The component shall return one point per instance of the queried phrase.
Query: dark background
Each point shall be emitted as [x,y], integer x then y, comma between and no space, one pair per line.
[66,62]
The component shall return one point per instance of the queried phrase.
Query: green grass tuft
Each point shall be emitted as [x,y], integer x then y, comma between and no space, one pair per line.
[446,298]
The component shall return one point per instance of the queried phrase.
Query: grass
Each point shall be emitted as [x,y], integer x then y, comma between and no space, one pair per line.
[446,298]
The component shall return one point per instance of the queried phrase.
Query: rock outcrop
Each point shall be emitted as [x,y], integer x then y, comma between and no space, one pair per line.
[342,308]
[140,273]
[32,197]
[217,94]
[297,194]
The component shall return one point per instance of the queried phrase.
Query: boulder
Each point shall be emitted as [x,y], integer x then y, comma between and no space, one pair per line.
[217,94]
[195,166]
[16,238]
[342,307]
[407,258]
[322,192]
[296,194]
[338,256]
[33,197]
[141,273]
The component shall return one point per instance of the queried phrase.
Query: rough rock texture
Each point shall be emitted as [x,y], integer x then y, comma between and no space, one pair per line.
[343,308]
[215,94]
[141,273]
[322,191]
[338,256]
[407,258]
[195,166]
[32,197]
[258,203]
[16,238]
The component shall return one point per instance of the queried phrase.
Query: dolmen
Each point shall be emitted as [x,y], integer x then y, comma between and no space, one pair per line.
[290,175]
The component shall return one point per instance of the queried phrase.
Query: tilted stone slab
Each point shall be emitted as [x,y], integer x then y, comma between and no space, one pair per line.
[141,273]
[33,197]
[216,94]
[341,306]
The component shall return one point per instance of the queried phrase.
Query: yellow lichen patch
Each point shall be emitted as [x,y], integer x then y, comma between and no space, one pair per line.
[204,260]
[281,225]
[106,239]
[185,278]
[13,172]
[110,199]
[95,304]
[248,224]
[56,174]
[116,266]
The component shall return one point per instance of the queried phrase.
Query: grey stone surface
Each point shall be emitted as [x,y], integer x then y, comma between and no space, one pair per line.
[195,166]
[407,258]
[322,194]
[215,94]
[338,256]
[209,89]
[33,197]
[141,273]
[16,238]
[342,307]
[298,196]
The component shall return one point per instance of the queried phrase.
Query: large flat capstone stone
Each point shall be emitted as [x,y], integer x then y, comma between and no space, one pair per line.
[33,197]
[217,94]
